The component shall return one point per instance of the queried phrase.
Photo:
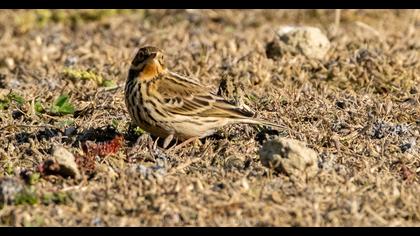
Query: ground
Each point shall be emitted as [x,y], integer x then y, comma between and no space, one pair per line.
[358,108]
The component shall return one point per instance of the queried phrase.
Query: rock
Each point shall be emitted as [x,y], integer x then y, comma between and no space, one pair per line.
[308,41]
[152,170]
[273,49]
[10,188]
[70,131]
[63,163]
[16,114]
[289,156]
[70,61]
[10,63]
[380,129]
[106,170]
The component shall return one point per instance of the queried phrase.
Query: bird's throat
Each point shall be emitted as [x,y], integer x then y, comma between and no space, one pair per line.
[151,70]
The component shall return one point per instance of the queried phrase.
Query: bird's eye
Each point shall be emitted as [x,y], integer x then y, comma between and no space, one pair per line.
[139,58]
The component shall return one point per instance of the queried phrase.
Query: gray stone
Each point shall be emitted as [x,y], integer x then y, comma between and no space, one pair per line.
[308,41]
[289,156]
[10,187]
[66,161]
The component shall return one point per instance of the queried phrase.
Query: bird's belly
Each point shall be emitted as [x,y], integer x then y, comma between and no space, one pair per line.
[182,127]
[180,131]
[196,128]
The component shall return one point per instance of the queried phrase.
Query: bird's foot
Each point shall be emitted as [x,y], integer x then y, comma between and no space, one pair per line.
[168,140]
[196,141]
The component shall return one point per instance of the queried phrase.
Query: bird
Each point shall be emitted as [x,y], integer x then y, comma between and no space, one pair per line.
[173,106]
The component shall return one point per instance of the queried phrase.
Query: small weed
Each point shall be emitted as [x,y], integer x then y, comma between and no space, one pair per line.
[34,178]
[62,106]
[26,197]
[9,169]
[38,107]
[56,198]
[138,131]
[74,75]
[11,97]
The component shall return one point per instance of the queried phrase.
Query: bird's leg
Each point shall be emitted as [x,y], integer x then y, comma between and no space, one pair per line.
[168,140]
[155,143]
[184,143]
[143,139]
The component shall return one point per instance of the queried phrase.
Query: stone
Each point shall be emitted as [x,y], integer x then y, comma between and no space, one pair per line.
[291,157]
[308,41]
[62,163]
[10,187]
[10,63]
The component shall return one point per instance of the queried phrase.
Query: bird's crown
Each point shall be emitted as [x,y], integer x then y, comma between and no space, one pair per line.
[144,53]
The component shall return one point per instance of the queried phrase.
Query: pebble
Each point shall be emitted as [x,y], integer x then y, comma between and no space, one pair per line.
[10,187]
[63,163]
[308,41]
[10,63]
[289,156]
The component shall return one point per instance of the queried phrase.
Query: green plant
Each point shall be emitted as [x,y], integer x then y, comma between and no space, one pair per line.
[11,97]
[26,197]
[62,106]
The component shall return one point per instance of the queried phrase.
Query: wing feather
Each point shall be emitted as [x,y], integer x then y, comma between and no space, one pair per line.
[183,96]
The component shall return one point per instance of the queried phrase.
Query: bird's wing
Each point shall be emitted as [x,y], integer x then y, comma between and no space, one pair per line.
[183,96]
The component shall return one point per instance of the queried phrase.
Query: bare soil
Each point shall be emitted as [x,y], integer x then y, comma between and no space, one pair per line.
[358,108]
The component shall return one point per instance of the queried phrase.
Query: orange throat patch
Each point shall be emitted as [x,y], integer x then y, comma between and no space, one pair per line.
[150,71]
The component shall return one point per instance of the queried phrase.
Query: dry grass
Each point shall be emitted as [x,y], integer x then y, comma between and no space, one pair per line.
[359,109]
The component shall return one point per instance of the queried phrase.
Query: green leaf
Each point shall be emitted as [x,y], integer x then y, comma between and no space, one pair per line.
[74,74]
[62,106]
[66,108]
[108,83]
[60,101]
[138,130]
[115,123]
[65,123]
[61,198]
[4,104]
[17,98]
[34,178]
[26,197]
[38,107]
[9,169]
[57,198]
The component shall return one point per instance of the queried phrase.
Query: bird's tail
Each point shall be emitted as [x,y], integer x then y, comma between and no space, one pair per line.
[261,122]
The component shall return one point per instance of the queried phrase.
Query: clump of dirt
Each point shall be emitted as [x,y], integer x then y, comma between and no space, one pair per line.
[290,157]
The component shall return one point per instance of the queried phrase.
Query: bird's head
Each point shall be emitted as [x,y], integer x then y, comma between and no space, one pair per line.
[146,56]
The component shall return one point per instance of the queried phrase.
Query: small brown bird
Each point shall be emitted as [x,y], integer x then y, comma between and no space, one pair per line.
[169,105]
